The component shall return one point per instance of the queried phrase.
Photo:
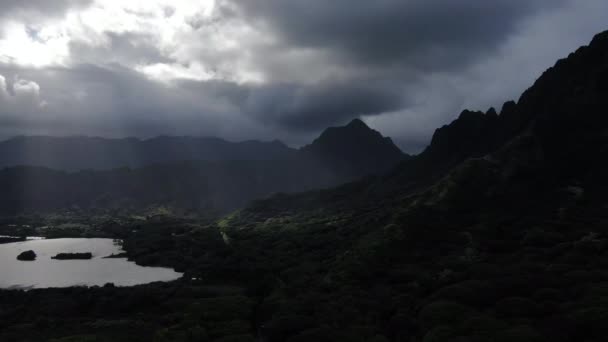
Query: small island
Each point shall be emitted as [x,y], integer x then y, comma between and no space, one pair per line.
[27,256]
[117,256]
[73,256]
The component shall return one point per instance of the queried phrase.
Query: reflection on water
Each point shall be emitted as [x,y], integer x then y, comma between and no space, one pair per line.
[46,272]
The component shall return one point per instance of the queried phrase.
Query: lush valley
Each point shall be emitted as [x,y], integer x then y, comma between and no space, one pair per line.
[496,232]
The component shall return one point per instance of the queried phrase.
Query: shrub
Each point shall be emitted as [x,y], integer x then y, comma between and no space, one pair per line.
[236,338]
[521,333]
[466,292]
[321,334]
[439,334]
[517,307]
[538,237]
[548,294]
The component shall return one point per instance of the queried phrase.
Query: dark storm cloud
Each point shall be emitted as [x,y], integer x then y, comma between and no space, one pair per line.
[439,34]
[87,97]
[111,100]
[297,107]
[394,42]
[313,107]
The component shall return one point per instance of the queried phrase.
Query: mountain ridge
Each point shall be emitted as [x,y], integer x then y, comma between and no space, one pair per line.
[520,128]
[81,152]
[78,152]
[193,184]
[503,239]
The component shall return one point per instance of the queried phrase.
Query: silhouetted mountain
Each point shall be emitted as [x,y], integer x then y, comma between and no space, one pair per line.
[80,153]
[354,150]
[563,113]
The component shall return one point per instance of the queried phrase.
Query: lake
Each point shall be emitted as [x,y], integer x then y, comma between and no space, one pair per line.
[45,272]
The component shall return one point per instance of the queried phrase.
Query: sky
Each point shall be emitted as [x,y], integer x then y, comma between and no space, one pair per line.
[274,69]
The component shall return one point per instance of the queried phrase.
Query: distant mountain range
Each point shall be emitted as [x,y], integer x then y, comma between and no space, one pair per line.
[192,173]
[83,153]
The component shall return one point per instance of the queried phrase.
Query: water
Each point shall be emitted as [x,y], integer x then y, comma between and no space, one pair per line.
[45,272]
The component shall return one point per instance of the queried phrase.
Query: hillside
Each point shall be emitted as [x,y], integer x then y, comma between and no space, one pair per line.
[508,244]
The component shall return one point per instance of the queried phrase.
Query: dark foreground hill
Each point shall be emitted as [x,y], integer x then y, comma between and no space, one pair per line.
[497,232]
[340,155]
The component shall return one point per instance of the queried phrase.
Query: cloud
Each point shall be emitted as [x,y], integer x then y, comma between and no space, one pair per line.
[115,101]
[499,77]
[267,69]
[129,49]
[118,101]
[19,96]
[441,34]
[37,9]
[297,107]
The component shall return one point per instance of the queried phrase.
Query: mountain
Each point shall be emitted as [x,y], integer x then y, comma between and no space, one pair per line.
[340,155]
[498,231]
[81,153]
[354,150]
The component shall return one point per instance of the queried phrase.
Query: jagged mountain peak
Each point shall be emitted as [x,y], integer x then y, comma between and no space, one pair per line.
[352,133]
[355,147]
[357,124]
